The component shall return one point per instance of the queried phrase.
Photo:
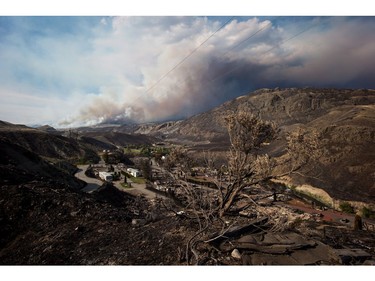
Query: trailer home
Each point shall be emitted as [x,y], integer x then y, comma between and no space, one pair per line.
[106,176]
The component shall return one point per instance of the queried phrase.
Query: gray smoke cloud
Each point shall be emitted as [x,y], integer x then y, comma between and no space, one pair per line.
[137,51]
[144,49]
[76,71]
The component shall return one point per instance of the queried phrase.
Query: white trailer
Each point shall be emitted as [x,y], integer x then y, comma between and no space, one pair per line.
[134,172]
[106,176]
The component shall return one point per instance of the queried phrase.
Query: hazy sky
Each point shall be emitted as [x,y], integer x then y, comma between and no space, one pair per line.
[69,71]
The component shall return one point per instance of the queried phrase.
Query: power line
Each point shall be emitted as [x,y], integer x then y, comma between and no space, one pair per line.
[248,38]
[237,45]
[189,55]
[223,55]
[269,50]
[290,38]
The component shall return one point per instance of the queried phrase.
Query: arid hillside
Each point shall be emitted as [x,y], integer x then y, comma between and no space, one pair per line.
[286,107]
[47,144]
[47,219]
[114,138]
[345,120]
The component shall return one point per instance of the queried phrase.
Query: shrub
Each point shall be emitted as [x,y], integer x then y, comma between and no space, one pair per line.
[367,213]
[346,207]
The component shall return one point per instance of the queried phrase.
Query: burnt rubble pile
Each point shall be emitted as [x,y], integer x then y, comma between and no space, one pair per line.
[43,224]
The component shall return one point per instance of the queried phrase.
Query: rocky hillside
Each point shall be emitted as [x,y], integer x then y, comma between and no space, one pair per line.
[47,143]
[286,107]
[49,129]
[345,118]
[114,138]
[46,219]
[43,223]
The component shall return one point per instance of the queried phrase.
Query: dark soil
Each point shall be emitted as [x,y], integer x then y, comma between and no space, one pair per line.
[42,224]
[45,224]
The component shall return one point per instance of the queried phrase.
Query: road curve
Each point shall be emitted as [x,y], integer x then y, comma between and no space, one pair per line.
[92,184]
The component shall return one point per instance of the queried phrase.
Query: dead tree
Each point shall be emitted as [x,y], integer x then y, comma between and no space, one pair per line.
[247,166]
[178,157]
[247,133]
[303,147]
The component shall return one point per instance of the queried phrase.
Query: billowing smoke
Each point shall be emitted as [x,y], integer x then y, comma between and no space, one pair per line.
[74,71]
[136,52]
[143,50]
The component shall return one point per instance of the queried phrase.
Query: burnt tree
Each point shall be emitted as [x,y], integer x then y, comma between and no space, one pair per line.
[247,133]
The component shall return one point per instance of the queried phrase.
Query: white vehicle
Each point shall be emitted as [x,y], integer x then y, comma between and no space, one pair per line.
[105,176]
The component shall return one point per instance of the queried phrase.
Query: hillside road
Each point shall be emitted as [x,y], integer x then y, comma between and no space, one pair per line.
[92,184]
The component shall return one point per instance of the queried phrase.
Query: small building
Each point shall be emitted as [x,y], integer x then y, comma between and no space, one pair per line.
[134,172]
[106,176]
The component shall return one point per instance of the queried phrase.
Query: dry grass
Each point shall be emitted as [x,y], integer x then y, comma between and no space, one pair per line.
[317,193]
[314,192]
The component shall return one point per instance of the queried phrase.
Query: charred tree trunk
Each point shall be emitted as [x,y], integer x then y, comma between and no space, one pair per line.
[229,199]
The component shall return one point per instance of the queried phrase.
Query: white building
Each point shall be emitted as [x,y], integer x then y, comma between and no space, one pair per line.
[134,172]
[106,176]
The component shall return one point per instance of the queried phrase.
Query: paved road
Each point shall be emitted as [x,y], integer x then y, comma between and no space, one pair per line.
[92,184]
[137,189]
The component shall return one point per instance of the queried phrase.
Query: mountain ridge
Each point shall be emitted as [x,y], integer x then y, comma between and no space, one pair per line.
[46,219]
[344,117]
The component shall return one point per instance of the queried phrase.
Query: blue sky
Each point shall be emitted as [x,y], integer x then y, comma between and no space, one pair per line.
[71,71]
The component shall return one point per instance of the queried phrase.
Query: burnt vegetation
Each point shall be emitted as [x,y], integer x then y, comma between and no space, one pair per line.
[246,168]
[235,201]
